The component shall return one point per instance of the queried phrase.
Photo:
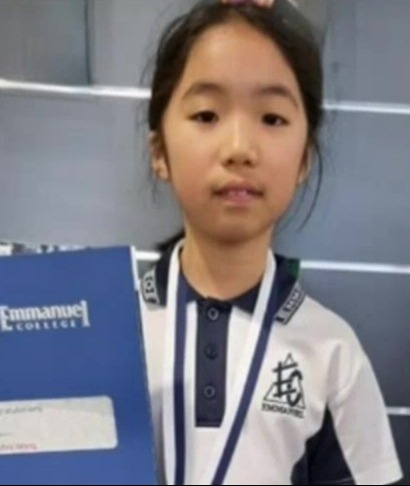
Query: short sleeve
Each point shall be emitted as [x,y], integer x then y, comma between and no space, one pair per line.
[355,443]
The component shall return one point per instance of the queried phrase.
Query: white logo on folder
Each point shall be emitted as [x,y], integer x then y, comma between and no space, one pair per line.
[46,318]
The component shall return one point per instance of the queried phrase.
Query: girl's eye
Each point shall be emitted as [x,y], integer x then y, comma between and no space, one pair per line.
[274,120]
[205,117]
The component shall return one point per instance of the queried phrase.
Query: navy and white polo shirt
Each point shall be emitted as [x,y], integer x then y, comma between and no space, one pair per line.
[315,415]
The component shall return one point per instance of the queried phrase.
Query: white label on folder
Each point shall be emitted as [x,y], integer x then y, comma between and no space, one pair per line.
[61,425]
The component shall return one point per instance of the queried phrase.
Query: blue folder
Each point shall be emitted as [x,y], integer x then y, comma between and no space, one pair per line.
[70,328]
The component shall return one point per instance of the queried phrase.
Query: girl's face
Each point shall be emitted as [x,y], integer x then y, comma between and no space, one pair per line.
[234,135]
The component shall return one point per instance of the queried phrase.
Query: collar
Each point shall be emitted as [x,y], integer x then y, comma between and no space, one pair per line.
[154,288]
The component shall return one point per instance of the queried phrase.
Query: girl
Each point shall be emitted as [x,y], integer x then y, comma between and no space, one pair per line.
[251,381]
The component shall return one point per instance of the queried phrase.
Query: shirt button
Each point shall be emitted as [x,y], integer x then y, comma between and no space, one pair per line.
[213,314]
[209,392]
[211,351]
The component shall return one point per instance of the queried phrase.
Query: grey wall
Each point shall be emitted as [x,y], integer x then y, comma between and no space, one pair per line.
[44,41]
[74,170]
[363,215]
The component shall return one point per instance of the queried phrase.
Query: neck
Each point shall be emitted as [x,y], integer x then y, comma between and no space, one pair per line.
[224,270]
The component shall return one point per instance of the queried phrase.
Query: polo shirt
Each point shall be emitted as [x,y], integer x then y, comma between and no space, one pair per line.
[316,414]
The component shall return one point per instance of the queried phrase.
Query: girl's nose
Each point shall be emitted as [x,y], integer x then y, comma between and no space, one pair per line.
[239,145]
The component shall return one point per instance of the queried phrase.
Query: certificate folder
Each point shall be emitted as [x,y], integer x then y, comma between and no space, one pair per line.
[74,405]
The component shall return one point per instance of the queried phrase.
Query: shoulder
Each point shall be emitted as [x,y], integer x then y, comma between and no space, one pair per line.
[335,345]
[323,322]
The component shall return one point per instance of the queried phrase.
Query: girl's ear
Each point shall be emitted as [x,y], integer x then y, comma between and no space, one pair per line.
[306,165]
[158,156]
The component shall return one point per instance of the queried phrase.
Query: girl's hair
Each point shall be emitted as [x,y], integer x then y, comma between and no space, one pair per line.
[284,24]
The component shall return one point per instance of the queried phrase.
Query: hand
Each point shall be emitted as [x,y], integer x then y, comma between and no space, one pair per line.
[259,3]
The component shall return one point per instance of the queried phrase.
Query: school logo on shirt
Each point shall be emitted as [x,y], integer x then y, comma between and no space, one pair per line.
[286,395]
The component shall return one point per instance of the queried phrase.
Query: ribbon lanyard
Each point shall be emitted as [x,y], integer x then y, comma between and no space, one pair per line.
[174,407]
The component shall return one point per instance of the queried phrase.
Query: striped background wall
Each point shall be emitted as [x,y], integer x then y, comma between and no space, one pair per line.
[74,169]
